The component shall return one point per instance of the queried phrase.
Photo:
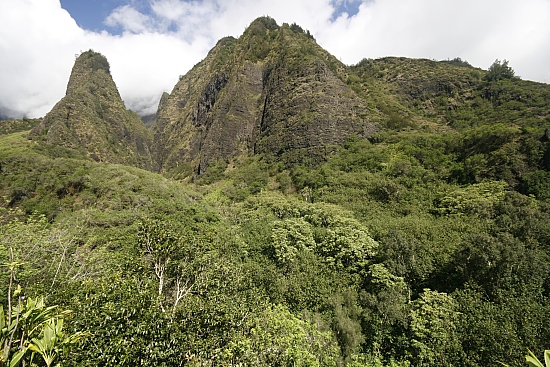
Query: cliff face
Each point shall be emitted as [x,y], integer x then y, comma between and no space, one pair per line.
[92,118]
[273,91]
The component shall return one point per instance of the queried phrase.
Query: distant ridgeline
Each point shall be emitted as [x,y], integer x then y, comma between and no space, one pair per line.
[274,91]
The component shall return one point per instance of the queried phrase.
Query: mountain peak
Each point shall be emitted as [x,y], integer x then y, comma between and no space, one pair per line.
[93,119]
[87,64]
[273,91]
[262,24]
[93,60]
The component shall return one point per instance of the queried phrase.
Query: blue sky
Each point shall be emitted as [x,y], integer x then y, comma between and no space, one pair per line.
[149,43]
[91,14]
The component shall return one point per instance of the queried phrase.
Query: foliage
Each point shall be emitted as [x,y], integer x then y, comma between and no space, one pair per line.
[96,61]
[500,70]
[13,126]
[433,326]
[474,199]
[537,183]
[458,62]
[291,236]
[425,243]
[278,338]
[31,329]
[533,361]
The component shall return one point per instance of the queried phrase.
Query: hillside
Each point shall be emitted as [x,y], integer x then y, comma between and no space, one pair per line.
[273,91]
[290,211]
[93,120]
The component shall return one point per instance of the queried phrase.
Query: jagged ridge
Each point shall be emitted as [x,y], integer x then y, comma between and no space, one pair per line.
[273,91]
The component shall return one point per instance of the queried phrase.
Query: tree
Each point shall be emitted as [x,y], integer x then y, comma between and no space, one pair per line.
[289,237]
[178,266]
[278,338]
[500,70]
[385,312]
[434,339]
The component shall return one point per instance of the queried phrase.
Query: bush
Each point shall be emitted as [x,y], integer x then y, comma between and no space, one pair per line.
[538,184]
[500,70]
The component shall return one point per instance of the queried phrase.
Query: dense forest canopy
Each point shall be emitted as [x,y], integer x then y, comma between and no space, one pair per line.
[424,241]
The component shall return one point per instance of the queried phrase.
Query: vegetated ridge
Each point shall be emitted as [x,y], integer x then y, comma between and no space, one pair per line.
[390,213]
[273,90]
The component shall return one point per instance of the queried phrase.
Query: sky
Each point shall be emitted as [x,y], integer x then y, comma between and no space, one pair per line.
[150,43]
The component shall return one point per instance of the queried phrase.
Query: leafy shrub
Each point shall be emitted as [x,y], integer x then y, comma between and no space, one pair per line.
[474,199]
[538,184]
[278,338]
[499,70]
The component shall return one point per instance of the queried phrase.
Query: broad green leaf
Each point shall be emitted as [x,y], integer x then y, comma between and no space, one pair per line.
[532,360]
[17,357]
[2,319]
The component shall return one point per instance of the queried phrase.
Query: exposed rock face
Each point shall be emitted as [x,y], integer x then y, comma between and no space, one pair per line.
[274,91]
[308,106]
[210,114]
[92,118]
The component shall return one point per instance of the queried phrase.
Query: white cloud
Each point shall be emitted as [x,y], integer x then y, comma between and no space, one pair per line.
[162,39]
[129,19]
[145,65]
[33,70]
[39,41]
[478,31]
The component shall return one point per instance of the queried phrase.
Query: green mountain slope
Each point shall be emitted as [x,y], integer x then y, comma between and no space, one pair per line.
[391,213]
[457,95]
[274,91]
[92,118]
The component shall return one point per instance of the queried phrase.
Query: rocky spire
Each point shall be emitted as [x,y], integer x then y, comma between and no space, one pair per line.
[92,118]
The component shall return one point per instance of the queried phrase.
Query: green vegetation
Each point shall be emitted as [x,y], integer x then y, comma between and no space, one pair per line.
[395,251]
[27,327]
[95,61]
[31,331]
[500,70]
[425,242]
[12,126]
[92,120]
[533,361]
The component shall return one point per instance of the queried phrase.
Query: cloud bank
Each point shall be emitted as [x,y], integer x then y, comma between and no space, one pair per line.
[162,39]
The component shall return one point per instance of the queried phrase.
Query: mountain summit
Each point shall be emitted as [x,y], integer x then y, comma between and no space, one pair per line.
[92,118]
[273,90]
